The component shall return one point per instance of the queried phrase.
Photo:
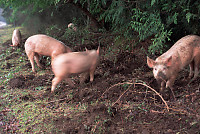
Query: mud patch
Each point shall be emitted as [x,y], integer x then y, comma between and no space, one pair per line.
[17,82]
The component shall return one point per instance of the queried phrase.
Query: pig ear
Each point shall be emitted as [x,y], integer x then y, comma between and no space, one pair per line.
[98,49]
[168,62]
[86,49]
[151,63]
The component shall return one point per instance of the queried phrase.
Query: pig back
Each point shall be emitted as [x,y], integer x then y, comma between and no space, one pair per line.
[183,51]
[16,37]
[45,45]
[75,62]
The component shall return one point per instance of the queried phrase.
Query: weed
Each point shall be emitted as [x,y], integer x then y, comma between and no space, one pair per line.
[142,107]
[39,88]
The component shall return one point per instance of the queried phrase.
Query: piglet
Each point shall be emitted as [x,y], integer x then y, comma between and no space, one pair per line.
[166,67]
[16,38]
[74,63]
[40,44]
[72,26]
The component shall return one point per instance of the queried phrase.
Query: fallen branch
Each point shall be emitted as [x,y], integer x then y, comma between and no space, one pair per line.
[136,84]
[121,95]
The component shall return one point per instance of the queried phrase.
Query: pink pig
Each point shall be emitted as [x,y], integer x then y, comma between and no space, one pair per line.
[38,45]
[73,63]
[166,67]
[16,38]
[72,26]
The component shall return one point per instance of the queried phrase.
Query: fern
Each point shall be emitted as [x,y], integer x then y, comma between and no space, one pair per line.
[147,25]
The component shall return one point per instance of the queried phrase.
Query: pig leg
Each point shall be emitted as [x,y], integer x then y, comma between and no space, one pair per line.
[53,57]
[31,58]
[196,68]
[191,70]
[83,77]
[161,85]
[37,57]
[55,82]
[170,84]
[92,74]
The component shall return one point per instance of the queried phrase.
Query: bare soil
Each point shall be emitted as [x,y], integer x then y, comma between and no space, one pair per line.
[134,107]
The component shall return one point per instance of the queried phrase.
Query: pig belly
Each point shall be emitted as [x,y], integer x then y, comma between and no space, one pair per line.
[44,52]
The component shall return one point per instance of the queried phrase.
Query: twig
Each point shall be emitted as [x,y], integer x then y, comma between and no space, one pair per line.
[122,95]
[156,93]
[57,100]
[112,87]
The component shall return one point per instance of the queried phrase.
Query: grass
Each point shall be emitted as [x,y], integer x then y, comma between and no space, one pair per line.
[6,33]
[29,115]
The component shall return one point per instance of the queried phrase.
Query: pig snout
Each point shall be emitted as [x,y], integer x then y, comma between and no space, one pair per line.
[162,76]
[160,73]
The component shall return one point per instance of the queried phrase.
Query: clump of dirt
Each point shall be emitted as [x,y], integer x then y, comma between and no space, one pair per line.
[17,82]
[26,81]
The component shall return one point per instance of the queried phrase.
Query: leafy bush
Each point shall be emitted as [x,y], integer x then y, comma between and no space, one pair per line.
[160,20]
[165,20]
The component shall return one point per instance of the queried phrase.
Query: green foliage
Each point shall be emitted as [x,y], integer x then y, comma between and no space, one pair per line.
[53,31]
[80,36]
[150,24]
[119,16]
[159,20]
[163,19]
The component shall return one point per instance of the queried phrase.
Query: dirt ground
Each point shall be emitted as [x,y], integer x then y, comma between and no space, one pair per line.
[134,108]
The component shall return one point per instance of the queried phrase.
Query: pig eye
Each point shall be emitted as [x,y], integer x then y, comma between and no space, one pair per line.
[155,69]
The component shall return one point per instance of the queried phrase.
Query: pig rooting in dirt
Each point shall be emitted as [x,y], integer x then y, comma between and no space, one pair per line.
[166,67]
[16,38]
[74,63]
[38,45]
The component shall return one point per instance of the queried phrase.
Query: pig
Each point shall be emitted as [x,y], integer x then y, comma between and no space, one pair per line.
[166,67]
[72,26]
[74,63]
[40,44]
[16,38]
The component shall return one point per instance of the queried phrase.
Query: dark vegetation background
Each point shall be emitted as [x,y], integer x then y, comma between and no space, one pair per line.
[161,21]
